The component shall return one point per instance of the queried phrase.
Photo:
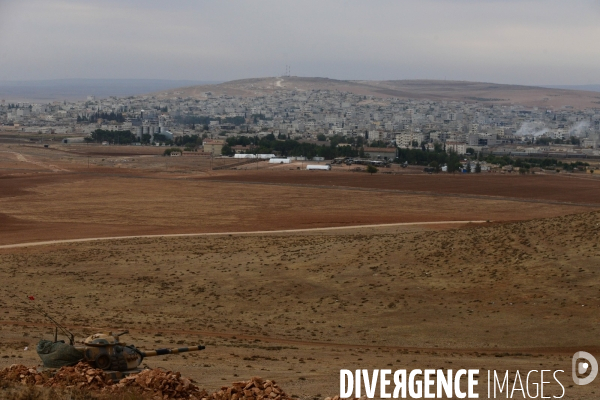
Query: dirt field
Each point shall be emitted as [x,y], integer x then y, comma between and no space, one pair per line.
[61,194]
[298,307]
[58,198]
[570,188]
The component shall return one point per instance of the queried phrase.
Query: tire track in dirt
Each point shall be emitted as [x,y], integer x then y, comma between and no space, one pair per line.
[283,231]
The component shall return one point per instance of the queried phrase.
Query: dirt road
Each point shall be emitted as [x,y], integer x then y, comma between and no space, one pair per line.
[50,242]
[22,158]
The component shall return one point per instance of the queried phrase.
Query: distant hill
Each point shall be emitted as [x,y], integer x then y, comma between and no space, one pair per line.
[590,88]
[555,97]
[79,89]
[470,92]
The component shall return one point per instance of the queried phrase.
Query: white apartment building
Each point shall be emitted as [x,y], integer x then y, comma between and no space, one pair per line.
[376,135]
[458,147]
[405,140]
[474,129]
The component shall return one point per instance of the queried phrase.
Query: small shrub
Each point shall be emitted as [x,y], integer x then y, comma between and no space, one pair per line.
[170,150]
[372,169]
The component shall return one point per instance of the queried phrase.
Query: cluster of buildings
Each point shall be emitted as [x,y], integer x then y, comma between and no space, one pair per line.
[316,113]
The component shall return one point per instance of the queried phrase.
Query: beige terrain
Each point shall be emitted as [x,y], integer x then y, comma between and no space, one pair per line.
[469,92]
[518,292]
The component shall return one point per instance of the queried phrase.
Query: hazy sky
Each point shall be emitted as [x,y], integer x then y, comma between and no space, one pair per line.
[505,41]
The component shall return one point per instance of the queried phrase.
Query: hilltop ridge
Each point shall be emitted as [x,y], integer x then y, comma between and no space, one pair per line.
[436,90]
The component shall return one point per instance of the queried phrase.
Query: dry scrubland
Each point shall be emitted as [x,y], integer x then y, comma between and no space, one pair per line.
[296,308]
[520,292]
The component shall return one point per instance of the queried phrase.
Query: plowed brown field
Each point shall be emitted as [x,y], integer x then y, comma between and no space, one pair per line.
[73,205]
[571,188]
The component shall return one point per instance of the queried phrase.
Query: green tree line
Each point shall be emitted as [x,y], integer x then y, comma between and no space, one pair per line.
[440,156]
[112,116]
[121,137]
[269,144]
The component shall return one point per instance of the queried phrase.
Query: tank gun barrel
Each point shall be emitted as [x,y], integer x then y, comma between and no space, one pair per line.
[162,352]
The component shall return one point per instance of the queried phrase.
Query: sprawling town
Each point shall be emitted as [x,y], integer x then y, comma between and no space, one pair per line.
[317,115]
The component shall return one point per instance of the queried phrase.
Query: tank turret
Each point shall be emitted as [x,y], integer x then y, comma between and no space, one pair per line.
[104,339]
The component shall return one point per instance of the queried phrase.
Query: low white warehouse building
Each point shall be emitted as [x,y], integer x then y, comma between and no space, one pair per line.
[280,161]
[318,167]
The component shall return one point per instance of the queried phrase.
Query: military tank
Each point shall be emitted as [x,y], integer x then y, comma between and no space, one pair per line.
[105,351]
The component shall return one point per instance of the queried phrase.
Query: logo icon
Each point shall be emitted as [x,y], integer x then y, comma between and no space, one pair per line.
[583,363]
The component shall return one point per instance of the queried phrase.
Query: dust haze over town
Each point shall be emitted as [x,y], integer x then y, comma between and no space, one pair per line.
[301,188]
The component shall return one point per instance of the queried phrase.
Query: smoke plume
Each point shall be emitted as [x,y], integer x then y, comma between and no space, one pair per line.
[579,129]
[534,128]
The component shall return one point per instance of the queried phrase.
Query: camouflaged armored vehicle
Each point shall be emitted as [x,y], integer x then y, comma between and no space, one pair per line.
[106,351]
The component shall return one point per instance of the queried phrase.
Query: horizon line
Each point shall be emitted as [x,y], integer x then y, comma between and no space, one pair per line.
[217,81]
